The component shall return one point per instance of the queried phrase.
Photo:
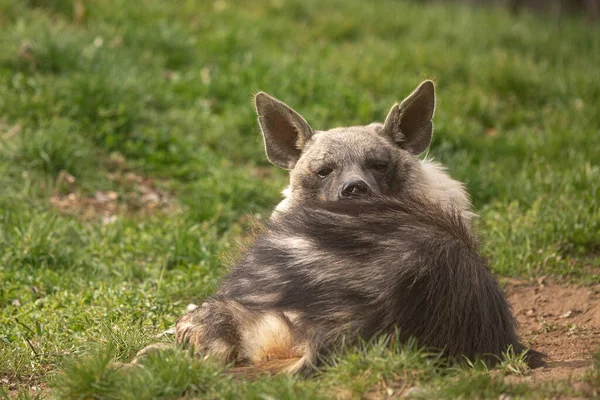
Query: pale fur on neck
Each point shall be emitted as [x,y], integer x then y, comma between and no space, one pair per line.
[285,203]
[436,184]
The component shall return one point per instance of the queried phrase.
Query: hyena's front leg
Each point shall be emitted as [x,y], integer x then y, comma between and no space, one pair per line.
[212,330]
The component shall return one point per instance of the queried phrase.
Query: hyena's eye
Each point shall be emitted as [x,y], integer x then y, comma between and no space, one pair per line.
[323,172]
[380,167]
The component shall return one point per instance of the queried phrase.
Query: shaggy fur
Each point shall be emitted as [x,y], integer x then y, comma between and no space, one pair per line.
[370,240]
[336,272]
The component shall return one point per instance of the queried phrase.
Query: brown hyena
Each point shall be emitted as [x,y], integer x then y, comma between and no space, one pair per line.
[369,241]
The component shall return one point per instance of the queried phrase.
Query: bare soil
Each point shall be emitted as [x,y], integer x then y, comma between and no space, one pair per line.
[142,196]
[561,321]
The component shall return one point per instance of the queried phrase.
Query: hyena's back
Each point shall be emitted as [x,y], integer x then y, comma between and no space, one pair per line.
[328,273]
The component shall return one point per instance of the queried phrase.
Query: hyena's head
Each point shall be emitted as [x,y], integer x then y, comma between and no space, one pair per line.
[348,163]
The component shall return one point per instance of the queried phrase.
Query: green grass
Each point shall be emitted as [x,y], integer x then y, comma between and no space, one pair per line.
[164,91]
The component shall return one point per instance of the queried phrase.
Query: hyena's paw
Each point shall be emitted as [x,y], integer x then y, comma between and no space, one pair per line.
[189,330]
[140,357]
[152,349]
[208,329]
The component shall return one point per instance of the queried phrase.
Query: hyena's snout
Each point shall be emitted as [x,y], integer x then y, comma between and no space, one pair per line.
[354,188]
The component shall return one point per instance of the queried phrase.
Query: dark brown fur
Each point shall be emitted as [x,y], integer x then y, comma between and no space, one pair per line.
[369,241]
[337,272]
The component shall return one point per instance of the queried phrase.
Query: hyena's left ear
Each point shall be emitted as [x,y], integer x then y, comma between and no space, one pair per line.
[409,124]
[284,130]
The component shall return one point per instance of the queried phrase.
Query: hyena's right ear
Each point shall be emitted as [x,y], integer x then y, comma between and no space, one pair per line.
[284,130]
[409,124]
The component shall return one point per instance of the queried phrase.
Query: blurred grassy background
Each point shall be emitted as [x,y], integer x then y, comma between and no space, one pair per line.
[130,154]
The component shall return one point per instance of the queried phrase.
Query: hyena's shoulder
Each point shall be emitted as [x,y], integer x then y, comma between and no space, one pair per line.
[437,184]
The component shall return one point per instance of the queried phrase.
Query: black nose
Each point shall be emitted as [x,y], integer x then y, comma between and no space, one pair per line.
[354,188]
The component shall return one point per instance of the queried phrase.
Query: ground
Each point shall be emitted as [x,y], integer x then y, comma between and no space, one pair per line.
[562,321]
[131,166]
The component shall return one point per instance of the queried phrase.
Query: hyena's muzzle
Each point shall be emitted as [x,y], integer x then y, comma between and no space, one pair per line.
[356,184]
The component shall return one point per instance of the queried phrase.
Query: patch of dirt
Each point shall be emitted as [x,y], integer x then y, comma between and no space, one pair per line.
[31,386]
[8,132]
[561,321]
[140,196]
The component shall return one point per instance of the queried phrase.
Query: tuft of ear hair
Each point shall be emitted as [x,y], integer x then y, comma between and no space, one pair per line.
[284,131]
[409,124]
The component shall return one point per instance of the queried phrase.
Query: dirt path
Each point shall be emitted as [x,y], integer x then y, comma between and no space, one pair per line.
[562,321]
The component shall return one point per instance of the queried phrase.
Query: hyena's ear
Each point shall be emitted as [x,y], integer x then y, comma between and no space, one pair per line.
[284,130]
[409,124]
